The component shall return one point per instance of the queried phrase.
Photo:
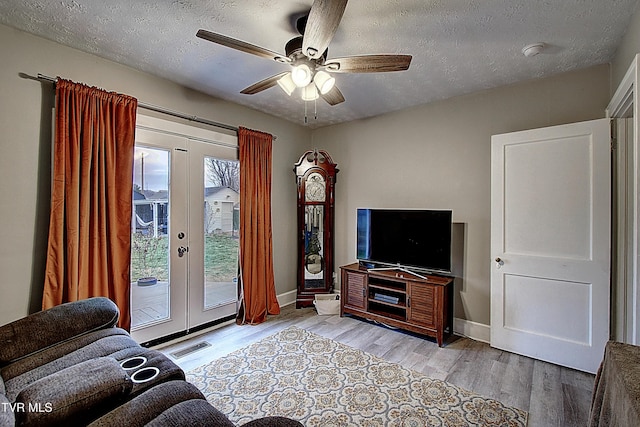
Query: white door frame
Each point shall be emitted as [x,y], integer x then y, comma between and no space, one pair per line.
[626,305]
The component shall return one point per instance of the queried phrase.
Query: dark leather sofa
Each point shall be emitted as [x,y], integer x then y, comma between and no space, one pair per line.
[70,365]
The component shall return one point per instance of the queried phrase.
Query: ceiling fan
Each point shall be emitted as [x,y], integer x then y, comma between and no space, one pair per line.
[307,55]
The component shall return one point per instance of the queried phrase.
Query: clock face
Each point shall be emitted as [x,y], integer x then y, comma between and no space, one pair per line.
[315,188]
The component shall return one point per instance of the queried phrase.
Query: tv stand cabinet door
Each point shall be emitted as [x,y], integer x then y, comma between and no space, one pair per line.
[354,289]
[422,307]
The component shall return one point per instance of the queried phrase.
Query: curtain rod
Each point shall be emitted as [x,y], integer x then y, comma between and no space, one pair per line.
[165,111]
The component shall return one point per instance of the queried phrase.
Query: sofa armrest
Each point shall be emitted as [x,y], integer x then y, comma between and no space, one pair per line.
[7,417]
[74,395]
[57,324]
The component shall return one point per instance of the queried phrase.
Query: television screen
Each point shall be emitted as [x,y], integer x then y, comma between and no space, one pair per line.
[407,238]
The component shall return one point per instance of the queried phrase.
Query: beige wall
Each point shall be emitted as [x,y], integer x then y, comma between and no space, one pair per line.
[627,50]
[438,156]
[432,156]
[25,155]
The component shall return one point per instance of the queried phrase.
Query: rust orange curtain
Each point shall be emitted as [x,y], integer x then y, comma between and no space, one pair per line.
[89,246]
[256,248]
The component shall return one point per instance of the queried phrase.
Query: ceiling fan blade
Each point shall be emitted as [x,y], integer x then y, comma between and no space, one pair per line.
[323,21]
[368,64]
[240,45]
[263,84]
[333,97]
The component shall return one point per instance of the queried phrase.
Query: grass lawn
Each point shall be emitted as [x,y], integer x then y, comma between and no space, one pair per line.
[150,257]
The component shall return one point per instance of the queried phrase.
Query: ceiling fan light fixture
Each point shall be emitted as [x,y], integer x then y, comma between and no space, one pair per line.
[310,93]
[301,75]
[324,81]
[287,84]
[307,55]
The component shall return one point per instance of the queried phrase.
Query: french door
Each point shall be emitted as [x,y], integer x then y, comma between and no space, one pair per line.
[184,228]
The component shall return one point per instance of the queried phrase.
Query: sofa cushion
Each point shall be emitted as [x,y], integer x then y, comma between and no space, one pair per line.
[79,394]
[192,413]
[49,327]
[145,407]
[273,422]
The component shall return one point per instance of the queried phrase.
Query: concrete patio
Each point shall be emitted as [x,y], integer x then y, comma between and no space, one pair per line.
[150,304]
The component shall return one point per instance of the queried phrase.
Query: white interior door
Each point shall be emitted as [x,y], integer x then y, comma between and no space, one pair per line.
[550,240]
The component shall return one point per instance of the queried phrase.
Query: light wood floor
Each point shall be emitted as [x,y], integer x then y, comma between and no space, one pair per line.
[553,396]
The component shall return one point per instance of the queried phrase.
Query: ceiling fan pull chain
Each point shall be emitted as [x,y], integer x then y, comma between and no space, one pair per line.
[305,113]
[315,109]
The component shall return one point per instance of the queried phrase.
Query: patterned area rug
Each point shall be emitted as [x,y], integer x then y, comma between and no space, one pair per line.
[321,382]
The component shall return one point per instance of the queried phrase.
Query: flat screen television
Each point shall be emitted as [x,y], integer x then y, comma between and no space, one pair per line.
[414,239]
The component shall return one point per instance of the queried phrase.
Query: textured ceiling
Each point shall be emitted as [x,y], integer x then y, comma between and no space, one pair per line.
[458,46]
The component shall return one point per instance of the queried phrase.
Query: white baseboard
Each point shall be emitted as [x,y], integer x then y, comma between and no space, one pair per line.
[466,328]
[473,330]
[287,298]
[290,297]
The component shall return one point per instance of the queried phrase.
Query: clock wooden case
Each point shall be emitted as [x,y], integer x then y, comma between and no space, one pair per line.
[315,178]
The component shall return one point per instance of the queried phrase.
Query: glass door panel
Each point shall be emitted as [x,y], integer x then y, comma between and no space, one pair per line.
[221,224]
[149,238]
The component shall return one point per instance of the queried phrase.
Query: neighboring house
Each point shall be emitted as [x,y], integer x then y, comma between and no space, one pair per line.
[219,206]
[220,203]
[151,212]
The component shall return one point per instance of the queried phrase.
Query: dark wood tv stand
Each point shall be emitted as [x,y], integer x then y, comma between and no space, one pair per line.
[400,299]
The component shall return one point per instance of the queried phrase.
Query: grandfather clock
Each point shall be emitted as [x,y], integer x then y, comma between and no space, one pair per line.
[316,178]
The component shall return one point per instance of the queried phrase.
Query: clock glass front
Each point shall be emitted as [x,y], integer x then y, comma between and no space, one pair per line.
[313,251]
[314,232]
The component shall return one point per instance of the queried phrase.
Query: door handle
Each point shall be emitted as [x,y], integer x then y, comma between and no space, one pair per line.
[182,250]
[499,262]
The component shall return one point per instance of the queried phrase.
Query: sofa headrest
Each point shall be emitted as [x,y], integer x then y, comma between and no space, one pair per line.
[57,324]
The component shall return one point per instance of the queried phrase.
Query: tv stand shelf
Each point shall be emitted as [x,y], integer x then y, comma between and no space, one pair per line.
[416,303]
